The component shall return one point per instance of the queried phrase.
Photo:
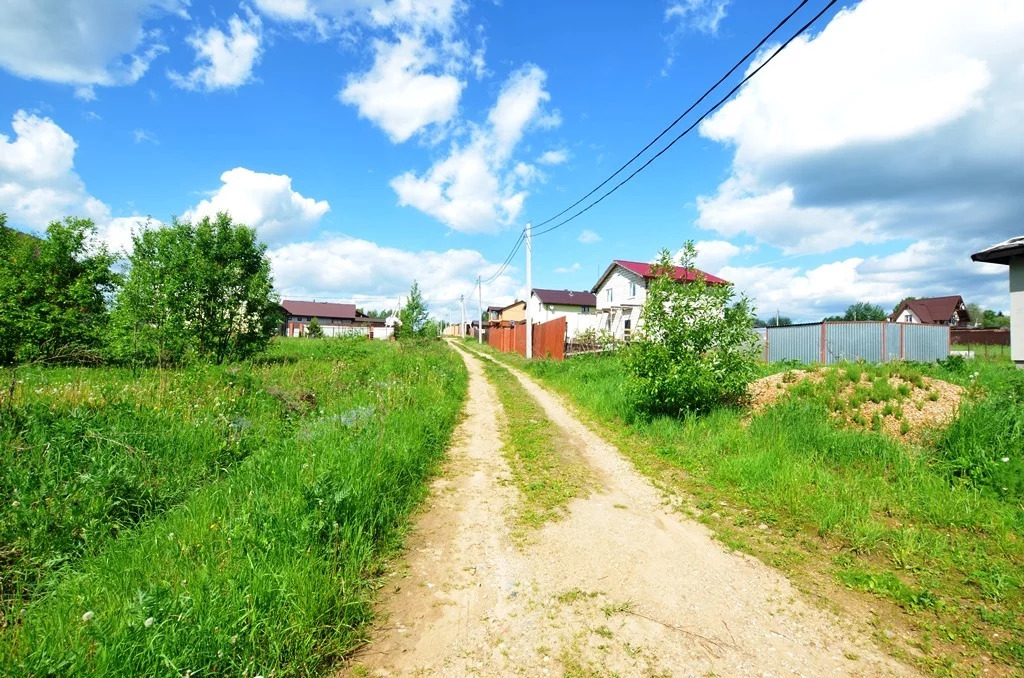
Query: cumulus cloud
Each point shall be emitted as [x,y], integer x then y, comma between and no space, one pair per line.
[225,60]
[897,146]
[398,95]
[568,269]
[588,237]
[101,42]
[265,202]
[472,189]
[38,182]
[329,15]
[553,157]
[713,255]
[374,276]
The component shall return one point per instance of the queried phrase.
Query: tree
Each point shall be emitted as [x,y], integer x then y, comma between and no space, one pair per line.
[313,330]
[413,315]
[991,319]
[775,321]
[196,291]
[861,310]
[374,314]
[54,292]
[694,349]
[976,313]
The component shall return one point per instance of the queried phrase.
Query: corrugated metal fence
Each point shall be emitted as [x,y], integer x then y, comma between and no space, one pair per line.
[833,342]
[548,339]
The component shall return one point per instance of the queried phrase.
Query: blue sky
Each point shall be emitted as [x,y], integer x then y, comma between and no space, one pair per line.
[373,142]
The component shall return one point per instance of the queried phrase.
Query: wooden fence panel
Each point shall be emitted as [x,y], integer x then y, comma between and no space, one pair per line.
[548,339]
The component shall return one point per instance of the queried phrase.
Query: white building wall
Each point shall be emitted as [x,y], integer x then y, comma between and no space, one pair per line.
[625,303]
[575,320]
[1017,310]
[903,317]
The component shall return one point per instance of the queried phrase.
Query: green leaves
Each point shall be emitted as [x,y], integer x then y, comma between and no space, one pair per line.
[53,293]
[695,347]
[195,291]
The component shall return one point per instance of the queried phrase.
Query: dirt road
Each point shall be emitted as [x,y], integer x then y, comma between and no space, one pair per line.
[624,585]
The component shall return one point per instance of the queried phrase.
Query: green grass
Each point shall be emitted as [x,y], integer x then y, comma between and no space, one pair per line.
[263,518]
[547,476]
[929,528]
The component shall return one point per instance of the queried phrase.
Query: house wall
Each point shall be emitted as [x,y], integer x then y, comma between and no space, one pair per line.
[623,306]
[1017,310]
[576,320]
[903,316]
[516,313]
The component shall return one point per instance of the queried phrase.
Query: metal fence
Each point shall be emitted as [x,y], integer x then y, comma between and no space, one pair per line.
[832,342]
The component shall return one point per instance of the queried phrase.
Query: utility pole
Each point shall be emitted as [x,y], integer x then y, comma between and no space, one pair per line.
[480,310]
[529,292]
[462,327]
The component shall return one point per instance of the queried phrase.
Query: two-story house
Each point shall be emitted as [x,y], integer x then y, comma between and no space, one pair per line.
[949,310]
[622,290]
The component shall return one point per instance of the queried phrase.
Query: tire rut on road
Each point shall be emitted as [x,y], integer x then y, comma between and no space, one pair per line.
[623,585]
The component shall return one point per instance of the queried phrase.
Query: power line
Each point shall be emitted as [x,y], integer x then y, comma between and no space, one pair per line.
[695,123]
[681,115]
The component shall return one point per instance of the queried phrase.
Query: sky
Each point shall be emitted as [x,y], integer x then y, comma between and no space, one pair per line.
[372,143]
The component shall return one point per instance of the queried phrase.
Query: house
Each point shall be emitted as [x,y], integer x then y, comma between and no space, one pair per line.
[493,313]
[1011,253]
[514,312]
[622,290]
[950,311]
[578,308]
[335,319]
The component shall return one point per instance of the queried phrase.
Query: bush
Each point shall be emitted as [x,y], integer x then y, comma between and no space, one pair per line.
[53,293]
[195,292]
[315,331]
[694,347]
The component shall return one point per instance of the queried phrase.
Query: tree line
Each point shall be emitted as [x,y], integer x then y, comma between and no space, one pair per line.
[187,292]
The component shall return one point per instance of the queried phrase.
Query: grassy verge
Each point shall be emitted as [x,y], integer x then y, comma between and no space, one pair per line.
[933,533]
[266,566]
[547,476]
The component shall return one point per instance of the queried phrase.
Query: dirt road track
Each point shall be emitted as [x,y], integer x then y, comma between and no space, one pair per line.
[623,585]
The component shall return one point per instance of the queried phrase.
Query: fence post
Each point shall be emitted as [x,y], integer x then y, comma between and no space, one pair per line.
[823,340]
[885,331]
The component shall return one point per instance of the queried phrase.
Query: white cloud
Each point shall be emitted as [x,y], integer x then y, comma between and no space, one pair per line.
[588,237]
[703,16]
[553,157]
[471,190]
[265,202]
[340,267]
[100,42]
[330,15]
[915,136]
[398,95]
[38,182]
[144,135]
[713,255]
[932,267]
[568,269]
[225,60]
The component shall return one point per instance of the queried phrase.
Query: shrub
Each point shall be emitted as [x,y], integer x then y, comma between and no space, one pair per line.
[694,347]
[195,291]
[53,293]
[314,331]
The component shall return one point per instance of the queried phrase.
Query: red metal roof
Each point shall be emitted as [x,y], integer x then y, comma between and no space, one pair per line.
[566,297]
[647,271]
[319,309]
[933,309]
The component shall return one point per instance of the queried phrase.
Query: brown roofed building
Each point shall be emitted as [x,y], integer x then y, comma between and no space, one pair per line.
[949,310]
[335,319]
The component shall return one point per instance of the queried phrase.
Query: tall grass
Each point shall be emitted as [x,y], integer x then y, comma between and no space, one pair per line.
[930,528]
[266,568]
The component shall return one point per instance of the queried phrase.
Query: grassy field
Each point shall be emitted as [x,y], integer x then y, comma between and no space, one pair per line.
[217,519]
[928,536]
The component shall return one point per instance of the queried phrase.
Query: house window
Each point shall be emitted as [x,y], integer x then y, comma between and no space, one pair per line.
[632,289]
[584,309]
[908,318]
[608,294]
[627,330]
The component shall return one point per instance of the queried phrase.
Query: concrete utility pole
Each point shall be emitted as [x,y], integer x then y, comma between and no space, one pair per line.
[462,327]
[480,310]
[529,292]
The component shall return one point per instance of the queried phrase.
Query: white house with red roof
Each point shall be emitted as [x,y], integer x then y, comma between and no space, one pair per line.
[622,290]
